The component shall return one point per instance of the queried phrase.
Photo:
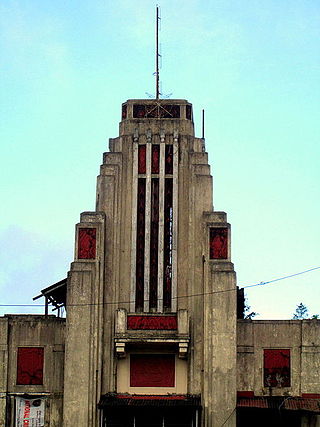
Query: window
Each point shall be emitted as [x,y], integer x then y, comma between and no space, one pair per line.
[30,365]
[277,368]
[152,370]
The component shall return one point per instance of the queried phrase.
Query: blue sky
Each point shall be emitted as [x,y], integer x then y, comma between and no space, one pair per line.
[66,67]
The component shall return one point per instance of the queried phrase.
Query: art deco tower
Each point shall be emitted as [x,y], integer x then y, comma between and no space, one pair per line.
[151,296]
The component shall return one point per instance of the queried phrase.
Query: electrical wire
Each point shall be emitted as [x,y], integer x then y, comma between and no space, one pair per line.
[177,297]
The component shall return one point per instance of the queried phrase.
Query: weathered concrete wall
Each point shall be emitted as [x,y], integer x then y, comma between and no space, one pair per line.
[300,336]
[32,331]
[82,380]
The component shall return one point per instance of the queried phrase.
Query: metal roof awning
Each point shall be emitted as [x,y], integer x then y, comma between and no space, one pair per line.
[55,294]
[135,400]
[275,402]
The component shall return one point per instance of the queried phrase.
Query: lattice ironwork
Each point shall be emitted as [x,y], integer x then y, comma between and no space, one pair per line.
[156,111]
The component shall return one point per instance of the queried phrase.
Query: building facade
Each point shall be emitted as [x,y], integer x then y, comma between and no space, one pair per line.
[151,332]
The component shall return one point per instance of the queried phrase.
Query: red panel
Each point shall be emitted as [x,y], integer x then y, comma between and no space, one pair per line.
[169,159]
[30,365]
[218,243]
[152,370]
[142,159]
[87,243]
[152,322]
[155,158]
[277,368]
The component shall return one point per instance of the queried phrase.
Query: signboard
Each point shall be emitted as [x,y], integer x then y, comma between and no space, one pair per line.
[29,412]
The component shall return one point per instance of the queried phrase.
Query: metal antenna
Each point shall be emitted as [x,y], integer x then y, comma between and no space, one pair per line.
[157,55]
[202,124]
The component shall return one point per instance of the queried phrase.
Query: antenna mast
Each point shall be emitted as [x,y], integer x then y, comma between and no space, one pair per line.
[157,54]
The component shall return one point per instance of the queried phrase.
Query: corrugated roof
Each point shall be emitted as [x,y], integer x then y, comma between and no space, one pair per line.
[113,399]
[276,402]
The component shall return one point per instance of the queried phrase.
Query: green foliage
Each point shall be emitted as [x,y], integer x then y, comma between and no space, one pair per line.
[247,313]
[301,312]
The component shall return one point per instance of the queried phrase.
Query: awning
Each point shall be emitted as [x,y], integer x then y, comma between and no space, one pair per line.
[136,400]
[275,402]
[55,294]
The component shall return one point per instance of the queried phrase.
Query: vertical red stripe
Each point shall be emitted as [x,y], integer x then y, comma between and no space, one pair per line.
[142,159]
[140,243]
[155,158]
[169,159]
[154,239]
[167,243]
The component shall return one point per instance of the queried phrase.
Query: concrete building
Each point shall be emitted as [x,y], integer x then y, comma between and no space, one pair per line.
[151,336]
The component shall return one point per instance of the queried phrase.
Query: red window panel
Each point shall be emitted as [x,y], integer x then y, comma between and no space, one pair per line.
[87,243]
[30,365]
[142,159]
[155,158]
[218,243]
[152,370]
[277,368]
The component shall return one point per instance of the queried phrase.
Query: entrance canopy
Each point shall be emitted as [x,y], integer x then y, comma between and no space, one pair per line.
[122,410]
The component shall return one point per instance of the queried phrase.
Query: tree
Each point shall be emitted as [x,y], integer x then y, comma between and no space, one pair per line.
[248,314]
[301,312]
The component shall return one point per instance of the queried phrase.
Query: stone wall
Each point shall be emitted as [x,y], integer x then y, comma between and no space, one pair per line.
[302,338]
[47,332]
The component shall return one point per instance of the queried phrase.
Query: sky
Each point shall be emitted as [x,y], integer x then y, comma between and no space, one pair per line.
[253,66]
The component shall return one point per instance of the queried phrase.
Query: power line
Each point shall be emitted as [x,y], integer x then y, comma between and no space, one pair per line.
[177,297]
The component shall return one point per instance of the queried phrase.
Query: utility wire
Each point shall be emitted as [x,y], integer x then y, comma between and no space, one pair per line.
[177,297]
